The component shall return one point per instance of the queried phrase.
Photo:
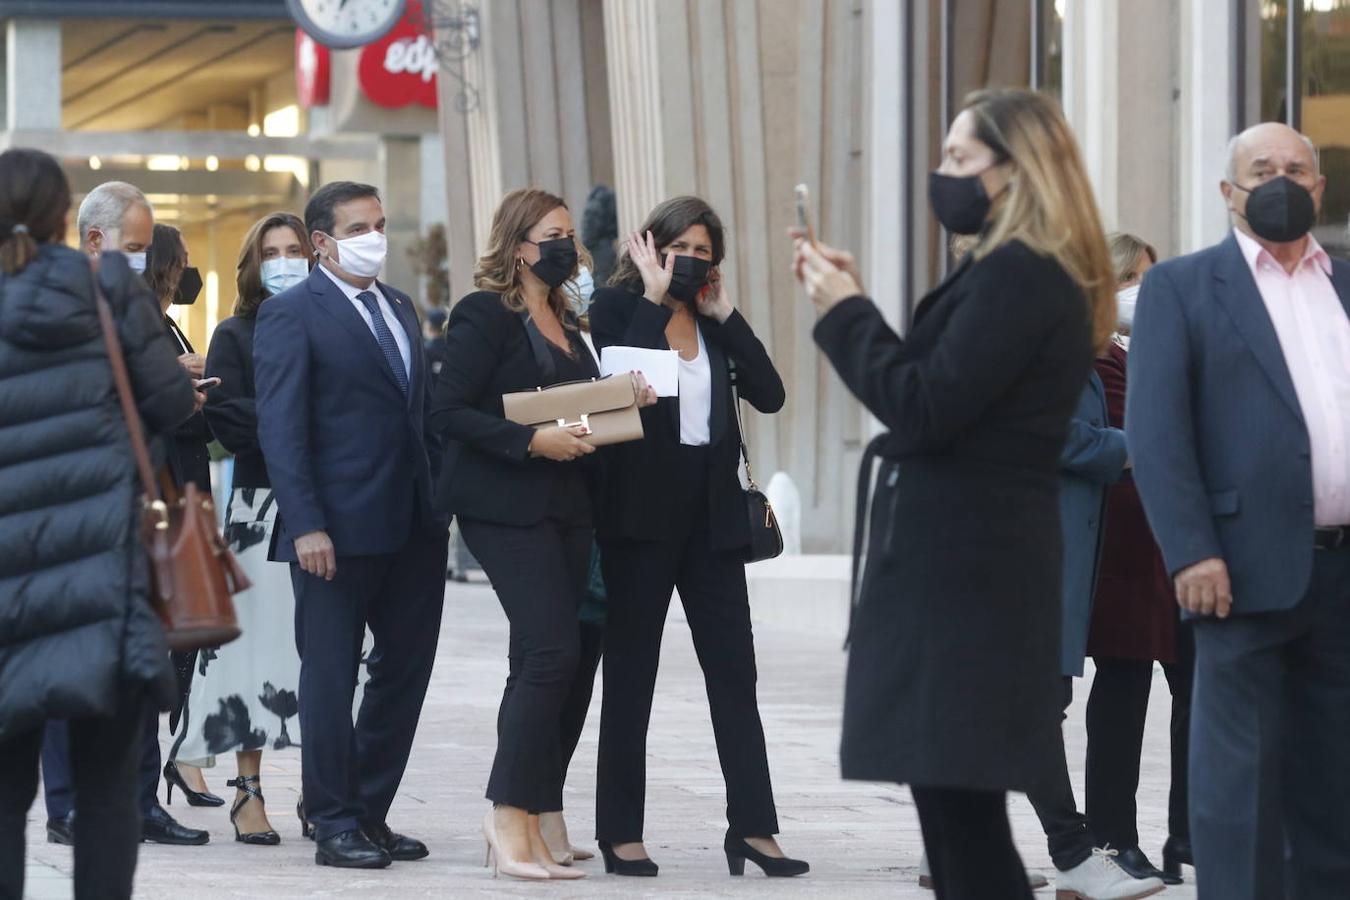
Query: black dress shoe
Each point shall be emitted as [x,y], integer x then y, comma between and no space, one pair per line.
[62,830]
[350,850]
[1176,852]
[615,865]
[1135,864]
[161,828]
[400,847]
[174,778]
[738,850]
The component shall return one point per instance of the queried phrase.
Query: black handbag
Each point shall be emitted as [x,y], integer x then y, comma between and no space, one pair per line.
[766,540]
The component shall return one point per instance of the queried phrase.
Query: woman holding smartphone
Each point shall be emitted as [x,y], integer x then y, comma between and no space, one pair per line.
[954,681]
[523,499]
[245,699]
[673,515]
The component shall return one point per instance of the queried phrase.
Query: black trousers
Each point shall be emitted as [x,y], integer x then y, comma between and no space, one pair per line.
[639,578]
[351,772]
[58,785]
[103,757]
[970,844]
[1067,832]
[579,701]
[1116,710]
[539,573]
[1270,740]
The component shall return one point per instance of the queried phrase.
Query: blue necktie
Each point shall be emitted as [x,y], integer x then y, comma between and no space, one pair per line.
[386,338]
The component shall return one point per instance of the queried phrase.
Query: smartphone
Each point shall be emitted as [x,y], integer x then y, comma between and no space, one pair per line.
[803,196]
[205,384]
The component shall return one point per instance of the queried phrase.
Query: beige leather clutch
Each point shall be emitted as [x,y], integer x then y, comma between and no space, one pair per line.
[606,407]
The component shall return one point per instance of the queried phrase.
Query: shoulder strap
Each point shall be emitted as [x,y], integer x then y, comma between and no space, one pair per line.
[124,394]
[740,425]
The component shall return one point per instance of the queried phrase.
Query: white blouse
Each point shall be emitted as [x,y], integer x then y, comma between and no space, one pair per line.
[696,398]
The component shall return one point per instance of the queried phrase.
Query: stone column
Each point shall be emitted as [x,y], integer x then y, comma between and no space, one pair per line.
[33,74]
[1120,84]
[1205,120]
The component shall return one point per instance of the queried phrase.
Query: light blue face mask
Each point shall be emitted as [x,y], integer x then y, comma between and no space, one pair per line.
[282,273]
[579,290]
[136,261]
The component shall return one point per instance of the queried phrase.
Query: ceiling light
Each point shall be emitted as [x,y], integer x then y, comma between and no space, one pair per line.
[95,163]
[212,163]
[254,130]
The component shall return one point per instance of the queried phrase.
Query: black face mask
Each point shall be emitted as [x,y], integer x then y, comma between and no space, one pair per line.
[959,202]
[189,286]
[689,277]
[557,260]
[1280,210]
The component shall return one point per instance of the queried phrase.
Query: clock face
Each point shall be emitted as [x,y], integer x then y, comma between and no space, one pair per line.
[347,23]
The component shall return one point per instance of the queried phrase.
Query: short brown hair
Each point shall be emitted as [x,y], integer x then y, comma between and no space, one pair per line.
[497,271]
[248,278]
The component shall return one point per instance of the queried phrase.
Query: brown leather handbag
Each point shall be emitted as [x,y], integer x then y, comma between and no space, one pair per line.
[606,407]
[192,571]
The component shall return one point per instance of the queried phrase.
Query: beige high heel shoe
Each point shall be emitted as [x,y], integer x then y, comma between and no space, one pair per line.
[513,867]
[544,858]
[553,829]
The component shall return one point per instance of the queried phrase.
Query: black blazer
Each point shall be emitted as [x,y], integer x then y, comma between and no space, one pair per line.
[954,671]
[189,460]
[488,473]
[231,408]
[639,494]
[347,452]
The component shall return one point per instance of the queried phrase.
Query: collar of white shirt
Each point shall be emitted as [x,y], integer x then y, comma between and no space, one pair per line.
[1255,254]
[350,291]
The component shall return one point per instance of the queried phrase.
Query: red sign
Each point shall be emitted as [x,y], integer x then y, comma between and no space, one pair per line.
[400,68]
[313,70]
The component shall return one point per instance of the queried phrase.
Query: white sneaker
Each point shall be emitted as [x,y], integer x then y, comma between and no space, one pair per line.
[1099,878]
[1034,881]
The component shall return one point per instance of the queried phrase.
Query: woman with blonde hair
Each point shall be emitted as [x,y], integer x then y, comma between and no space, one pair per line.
[245,699]
[523,500]
[954,671]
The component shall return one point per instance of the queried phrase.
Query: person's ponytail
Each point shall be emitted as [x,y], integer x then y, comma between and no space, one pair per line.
[34,201]
[17,248]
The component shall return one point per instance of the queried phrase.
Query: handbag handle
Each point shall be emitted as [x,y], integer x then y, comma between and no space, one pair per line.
[740,426]
[121,378]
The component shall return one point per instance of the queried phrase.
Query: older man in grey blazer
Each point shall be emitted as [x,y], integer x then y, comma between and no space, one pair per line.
[1238,421]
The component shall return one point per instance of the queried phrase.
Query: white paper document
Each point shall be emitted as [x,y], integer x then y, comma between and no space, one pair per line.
[661,368]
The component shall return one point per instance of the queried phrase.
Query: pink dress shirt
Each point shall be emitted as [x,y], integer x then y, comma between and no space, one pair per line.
[1314,333]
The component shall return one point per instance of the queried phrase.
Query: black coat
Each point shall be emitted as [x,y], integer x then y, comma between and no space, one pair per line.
[75,622]
[638,501]
[232,408]
[189,458]
[488,473]
[954,672]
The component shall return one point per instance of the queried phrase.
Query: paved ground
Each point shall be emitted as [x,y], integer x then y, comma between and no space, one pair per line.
[862,840]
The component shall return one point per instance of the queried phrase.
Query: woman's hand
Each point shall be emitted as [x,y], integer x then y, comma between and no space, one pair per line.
[713,300]
[194,364]
[655,277]
[841,258]
[646,394]
[559,444]
[824,272]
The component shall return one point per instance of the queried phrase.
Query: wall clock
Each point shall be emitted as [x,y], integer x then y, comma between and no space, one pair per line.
[343,24]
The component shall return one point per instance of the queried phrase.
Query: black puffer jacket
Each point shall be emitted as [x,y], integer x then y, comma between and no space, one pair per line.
[76,628]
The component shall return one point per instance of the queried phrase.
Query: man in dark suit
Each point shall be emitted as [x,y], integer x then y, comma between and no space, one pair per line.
[342,392]
[1238,419]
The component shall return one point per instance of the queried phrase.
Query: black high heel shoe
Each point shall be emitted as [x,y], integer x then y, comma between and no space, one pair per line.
[174,779]
[739,850]
[249,786]
[306,826]
[1176,852]
[643,868]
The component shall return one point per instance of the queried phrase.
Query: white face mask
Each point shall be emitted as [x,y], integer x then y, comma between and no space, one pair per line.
[1125,301]
[136,261]
[282,273]
[363,255]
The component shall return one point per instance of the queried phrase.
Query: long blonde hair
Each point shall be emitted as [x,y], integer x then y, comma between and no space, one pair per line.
[1049,204]
[497,270]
